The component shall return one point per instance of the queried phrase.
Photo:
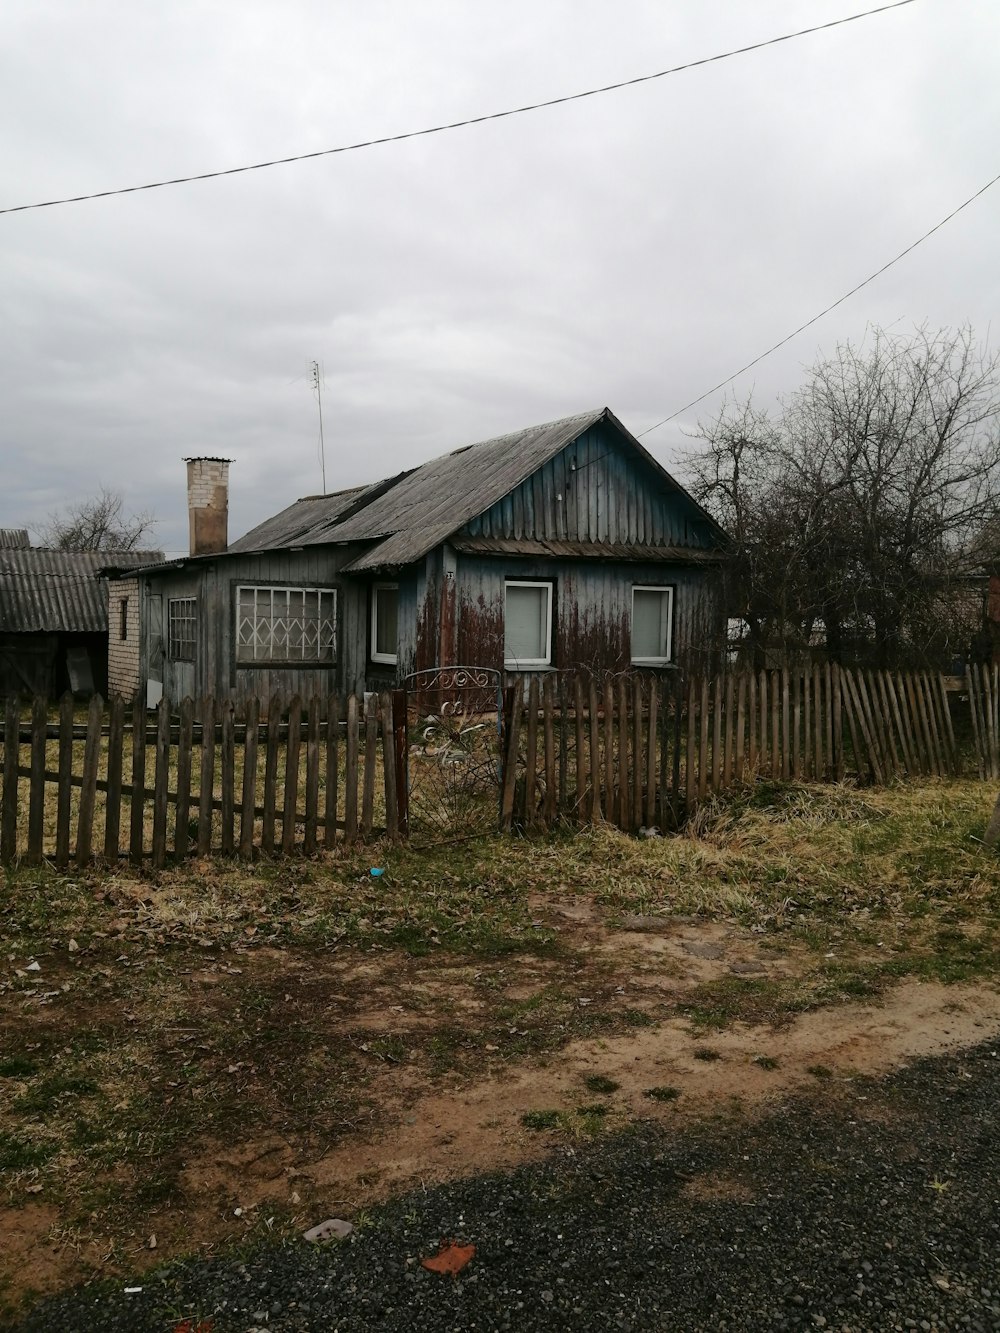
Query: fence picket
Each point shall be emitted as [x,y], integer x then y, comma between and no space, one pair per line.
[580,755]
[185,747]
[65,777]
[271,776]
[312,777]
[137,805]
[624,814]
[388,730]
[248,814]
[36,789]
[596,813]
[88,786]
[651,764]
[351,773]
[290,791]
[637,764]
[956,759]
[703,743]
[332,776]
[371,758]
[206,785]
[227,775]
[113,802]
[531,754]
[549,747]
[161,780]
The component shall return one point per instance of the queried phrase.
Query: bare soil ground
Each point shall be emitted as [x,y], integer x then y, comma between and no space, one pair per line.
[203,1057]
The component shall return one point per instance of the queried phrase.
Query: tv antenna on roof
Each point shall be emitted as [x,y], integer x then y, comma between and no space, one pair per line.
[316,380]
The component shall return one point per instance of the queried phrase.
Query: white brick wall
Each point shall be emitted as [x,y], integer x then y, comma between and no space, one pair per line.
[205,476]
[123,654]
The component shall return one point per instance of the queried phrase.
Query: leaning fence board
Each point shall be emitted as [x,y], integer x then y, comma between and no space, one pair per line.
[637,765]
[716,769]
[161,781]
[956,759]
[531,757]
[843,676]
[512,715]
[609,749]
[549,757]
[897,717]
[580,748]
[624,814]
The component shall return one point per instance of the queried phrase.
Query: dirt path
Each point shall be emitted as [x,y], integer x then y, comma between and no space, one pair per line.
[432,1123]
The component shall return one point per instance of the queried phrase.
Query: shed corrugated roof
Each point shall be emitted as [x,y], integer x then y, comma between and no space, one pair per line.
[14,539]
[43,591]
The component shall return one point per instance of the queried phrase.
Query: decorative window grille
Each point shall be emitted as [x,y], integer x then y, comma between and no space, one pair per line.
[286,624]
[182,628]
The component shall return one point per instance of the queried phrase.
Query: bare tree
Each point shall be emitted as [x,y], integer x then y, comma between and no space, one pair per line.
[96,524]
[863,505]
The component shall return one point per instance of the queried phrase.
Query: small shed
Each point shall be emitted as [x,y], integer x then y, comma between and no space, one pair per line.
[54,617]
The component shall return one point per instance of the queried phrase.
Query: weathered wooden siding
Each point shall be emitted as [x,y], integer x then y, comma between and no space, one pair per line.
[593,609]
[595,490]
[215,670]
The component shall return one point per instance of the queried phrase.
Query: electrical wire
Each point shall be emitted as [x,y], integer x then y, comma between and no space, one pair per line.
[809,322]
[456,124]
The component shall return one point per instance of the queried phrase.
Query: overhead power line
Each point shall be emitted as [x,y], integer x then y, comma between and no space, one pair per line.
[833,305]
[456,124]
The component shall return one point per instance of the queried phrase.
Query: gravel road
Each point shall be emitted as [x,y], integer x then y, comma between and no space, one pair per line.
[869,1205]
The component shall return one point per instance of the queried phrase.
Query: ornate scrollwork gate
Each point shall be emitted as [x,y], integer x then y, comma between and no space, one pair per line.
[453,752]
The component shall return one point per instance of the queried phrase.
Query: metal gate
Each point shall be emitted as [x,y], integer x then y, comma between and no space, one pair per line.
[454,720]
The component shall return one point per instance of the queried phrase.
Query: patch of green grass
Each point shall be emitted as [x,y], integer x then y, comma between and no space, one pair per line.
[601,1083]
[822,1072]
[593,1109]
[539,1120]
[18,1066]
[663,1092]
[46,1097]
[20,1154]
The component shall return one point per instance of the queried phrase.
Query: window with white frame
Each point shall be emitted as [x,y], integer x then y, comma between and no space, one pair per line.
[652,625]
[385,619]
[286,625]
[527,624]
[182,628]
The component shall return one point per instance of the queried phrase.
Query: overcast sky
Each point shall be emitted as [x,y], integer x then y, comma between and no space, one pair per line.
[631,249]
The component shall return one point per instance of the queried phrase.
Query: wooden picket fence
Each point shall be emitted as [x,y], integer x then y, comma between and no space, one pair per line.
[637,750]
[633,750]
[199,780]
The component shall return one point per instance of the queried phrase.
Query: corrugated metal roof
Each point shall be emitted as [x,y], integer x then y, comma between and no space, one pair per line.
[14,539]
[409,514]
[417,509]
[43,591]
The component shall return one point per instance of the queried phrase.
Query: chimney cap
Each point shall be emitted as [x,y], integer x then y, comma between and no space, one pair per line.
[205,458]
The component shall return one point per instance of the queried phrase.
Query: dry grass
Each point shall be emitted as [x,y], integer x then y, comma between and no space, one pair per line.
[227,1002]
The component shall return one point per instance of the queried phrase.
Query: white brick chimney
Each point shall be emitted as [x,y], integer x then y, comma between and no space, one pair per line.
[208,504]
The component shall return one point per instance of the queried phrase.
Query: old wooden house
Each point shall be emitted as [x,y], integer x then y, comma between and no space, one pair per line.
[53,617]
[559,546]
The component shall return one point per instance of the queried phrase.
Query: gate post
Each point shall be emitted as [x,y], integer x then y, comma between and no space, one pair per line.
[401,756]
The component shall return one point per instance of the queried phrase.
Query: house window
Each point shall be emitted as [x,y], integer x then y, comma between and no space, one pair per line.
[385,609]
[182,628]
[652,625]
[527,626]
[285,625]
[123,618]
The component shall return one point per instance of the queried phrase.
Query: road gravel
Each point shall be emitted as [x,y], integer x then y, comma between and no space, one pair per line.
[866,1205]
